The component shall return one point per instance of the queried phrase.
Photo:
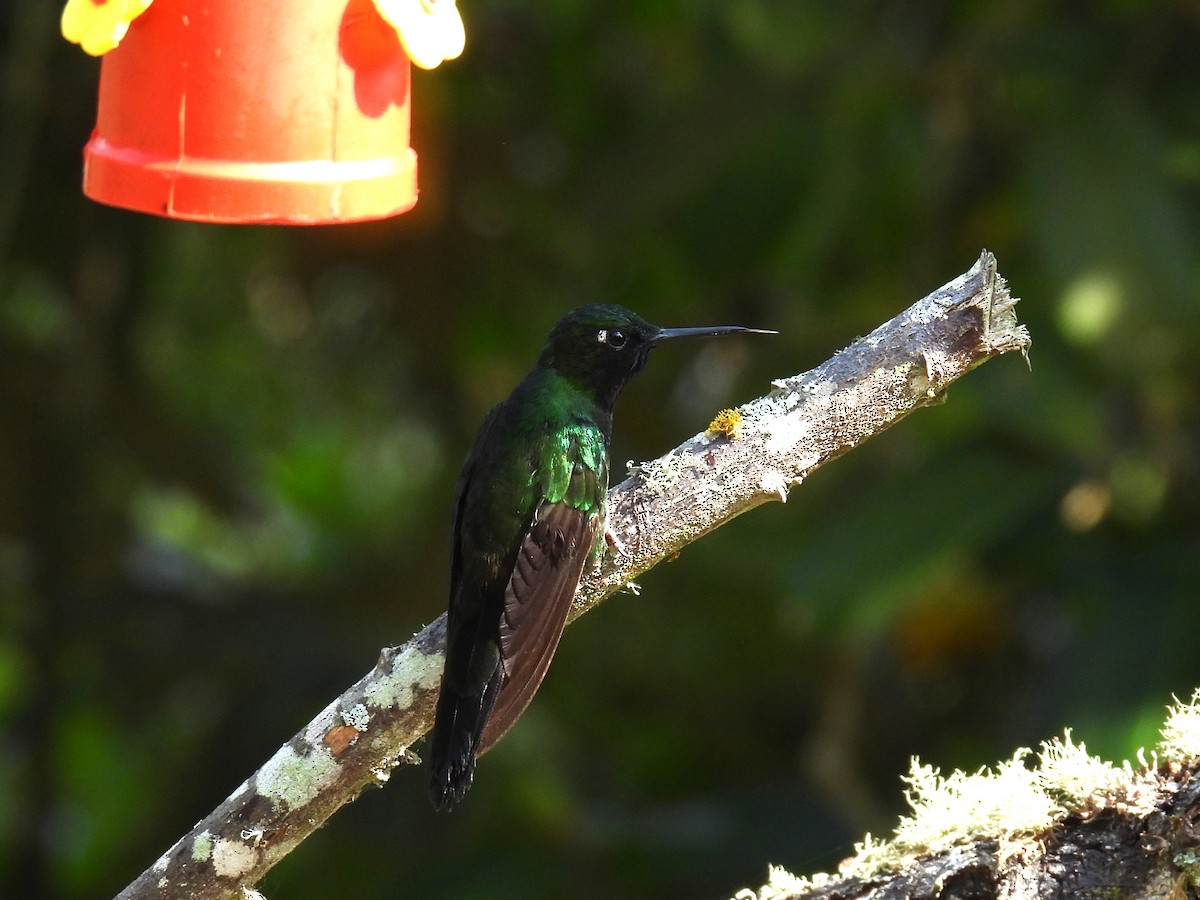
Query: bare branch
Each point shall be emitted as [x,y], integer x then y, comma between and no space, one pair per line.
[803,423]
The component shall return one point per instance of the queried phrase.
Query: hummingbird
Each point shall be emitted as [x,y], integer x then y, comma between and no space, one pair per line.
[529,512]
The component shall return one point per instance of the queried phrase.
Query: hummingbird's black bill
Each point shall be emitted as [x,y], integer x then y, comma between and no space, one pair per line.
[669,334]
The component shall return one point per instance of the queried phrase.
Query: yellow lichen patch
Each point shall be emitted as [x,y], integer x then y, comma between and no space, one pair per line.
[728,422]
[430,30]
[99,25]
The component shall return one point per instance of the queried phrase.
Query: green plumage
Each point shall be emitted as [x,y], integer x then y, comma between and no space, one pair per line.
[569,447]
[528,515]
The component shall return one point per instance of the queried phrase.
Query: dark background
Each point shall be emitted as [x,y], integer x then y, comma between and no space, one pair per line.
[227,453]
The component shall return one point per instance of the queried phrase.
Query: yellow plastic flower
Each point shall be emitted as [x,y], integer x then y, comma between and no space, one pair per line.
[430,30]
[99,25]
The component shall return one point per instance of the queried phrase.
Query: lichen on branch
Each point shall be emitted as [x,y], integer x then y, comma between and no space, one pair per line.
[759,454]
[1004,822]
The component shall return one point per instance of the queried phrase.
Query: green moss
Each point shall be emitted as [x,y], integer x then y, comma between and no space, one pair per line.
[1189,863]
[202,846]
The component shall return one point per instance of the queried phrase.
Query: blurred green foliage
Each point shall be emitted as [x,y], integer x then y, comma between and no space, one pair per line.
[227,454]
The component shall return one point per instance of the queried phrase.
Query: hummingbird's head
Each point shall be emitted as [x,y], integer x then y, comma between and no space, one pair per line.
[601,347]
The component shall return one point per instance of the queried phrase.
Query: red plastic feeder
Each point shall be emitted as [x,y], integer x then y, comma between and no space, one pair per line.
[255,111]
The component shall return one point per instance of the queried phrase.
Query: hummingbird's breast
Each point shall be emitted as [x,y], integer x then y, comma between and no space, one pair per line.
[546,445]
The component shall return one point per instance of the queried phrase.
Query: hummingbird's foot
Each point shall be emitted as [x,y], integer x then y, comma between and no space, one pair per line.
[614,543]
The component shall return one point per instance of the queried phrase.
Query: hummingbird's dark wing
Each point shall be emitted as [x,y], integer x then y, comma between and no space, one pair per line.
[514,572]
[536,602]
[472,674]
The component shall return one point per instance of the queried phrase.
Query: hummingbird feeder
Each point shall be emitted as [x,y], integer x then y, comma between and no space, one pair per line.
[270,111]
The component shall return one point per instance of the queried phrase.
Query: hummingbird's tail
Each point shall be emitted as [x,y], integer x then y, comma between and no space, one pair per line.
[455,740]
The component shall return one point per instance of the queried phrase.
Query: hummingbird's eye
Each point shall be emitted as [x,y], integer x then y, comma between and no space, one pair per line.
[614,338]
